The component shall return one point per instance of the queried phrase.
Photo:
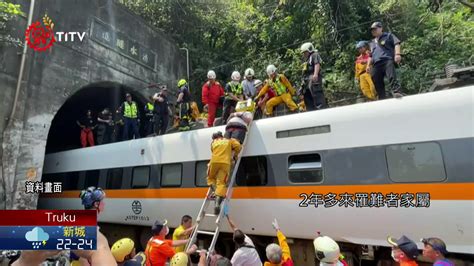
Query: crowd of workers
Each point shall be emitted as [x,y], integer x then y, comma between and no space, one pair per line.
[376,60]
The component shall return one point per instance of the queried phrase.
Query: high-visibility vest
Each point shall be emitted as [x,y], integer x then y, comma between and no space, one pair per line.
[236,89]
[131,110]
[278,86]
[150,106]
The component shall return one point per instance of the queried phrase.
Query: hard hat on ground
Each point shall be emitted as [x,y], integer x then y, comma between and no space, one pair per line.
[271,69]
[179,259]
[307,47]
[249,72]
[211,74]
[327,250]
[181,82]
[122,248]
[235,76]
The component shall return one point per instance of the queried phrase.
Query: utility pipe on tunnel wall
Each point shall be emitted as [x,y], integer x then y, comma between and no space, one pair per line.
[22,65]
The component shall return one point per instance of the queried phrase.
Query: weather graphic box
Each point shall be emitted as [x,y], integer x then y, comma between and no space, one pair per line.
[48,229]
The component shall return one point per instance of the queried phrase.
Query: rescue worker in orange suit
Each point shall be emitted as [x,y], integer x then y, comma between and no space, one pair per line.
[312,78]
[212,92]
[87,125]
[362,77]
[234,92]
[159,250]
[283,89]
[278,255]
[219,165]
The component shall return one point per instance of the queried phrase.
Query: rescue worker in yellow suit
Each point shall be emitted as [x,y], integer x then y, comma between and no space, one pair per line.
[283,89]
[219,166]
[362,77]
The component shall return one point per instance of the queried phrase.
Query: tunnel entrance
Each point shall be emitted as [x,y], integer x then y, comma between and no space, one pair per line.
[64,133]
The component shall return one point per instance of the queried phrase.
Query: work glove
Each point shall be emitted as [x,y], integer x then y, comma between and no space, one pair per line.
[275,225]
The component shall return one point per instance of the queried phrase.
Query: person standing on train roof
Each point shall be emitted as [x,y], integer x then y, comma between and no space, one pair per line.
[328,252]
[162,111]
[87,125]
[159,250]
[219,165]
[129,110]
[313,93]
[362,77]
[233,94]
[183,231]
[248,84]
[404,251]
[435,250]
[278,255]
[149,115]
[283,88]
[212,93]
[184,105]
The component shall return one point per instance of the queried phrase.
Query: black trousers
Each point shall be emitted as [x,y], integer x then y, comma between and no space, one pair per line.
[150,126]
[381,70]
[229,108]
[161,123]
[104,133]
[314,98]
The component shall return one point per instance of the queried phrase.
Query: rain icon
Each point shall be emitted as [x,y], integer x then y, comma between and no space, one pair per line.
[37,236]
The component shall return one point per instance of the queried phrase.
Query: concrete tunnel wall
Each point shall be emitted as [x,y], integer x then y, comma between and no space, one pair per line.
[53,76]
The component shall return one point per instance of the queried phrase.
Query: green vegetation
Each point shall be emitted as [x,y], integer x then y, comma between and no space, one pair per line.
[228,35]
[7,12]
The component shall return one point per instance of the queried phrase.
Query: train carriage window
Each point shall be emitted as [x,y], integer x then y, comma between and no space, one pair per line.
[201,173]
[69,181]
[171,175]
[305,168]
[92,178]
[114,178]
[417,162]
[252,171]
[140,177]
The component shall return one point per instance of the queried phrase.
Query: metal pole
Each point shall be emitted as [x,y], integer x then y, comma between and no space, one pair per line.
[187,60]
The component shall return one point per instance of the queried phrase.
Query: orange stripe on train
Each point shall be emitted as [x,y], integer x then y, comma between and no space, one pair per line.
[444,191]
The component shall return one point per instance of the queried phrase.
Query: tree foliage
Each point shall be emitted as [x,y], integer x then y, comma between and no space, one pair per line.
[235,35]
[7,12]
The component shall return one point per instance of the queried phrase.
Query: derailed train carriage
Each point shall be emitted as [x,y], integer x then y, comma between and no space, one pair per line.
[356,173]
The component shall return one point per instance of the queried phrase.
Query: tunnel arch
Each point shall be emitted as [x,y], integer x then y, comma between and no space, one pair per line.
[64,133]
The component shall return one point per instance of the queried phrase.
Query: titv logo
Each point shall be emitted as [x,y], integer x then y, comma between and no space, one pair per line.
[41,37]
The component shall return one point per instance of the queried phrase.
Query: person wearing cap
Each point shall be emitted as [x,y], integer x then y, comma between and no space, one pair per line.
[212,92]
[362,77]
[92,198]
[105,127]
[162,111]
[183,231]
[184,105]
[404,251]
[219,165]
[385,50]
[158,250]
[233,94]
[124,250]
[312,78]
[246,254]
[248,84]
[130,114]
[278,255]
[283,88]
[87,125]
[435,250]
[328,252]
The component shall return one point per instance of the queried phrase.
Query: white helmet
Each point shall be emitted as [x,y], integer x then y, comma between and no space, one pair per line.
[327,250]
[249,72]
[271,69]
[257,83]
[211,74]
[307,47]
[235,76]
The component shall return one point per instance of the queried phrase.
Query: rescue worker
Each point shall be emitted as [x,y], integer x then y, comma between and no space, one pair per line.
[184,105]
[385,50]
[283,88]
[124,250]
[246,254]
[149,114]
[362,77]
[162,111]
[233,94]
[183,231]
[301,104]
[262,102]
[87,125]
[179,259]
[237,125]
[278,255]
[248,84]
[312,78]
[435,250]
[212,92]
[328,252]
[129,110]
[158,250]
[219,165]
[105,127]
[404,251]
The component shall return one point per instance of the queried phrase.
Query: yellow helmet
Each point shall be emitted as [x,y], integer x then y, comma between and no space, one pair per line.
[122,248]
[179,259]
[181,82]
